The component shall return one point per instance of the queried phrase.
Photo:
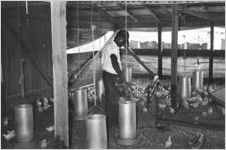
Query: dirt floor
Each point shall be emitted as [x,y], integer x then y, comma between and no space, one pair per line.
[148,136]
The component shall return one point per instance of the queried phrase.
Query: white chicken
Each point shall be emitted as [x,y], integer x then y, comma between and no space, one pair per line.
[144,109]
[6,121]
[39,105]
[50,128]
[44,144]
[185,104]
[210,110]
[9,135]
[45,103]
[168,142]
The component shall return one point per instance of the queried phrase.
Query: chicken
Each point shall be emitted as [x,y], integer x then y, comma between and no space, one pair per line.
[185,104]
[50,128]
[204,114]
[168,142]
[197,141]
[44,144]
[9,135]
[204,103]
[6,121]
[195,105]
[144,109]
[45,103]
[39,105]
[171,110]
[210,89]
[210,110]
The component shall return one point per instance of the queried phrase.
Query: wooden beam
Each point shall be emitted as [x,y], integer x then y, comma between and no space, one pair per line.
[211,53]
[159,51]
[60,78]
[208,12]
[175,22]
[104,9]
[72,23]
[153,14]
[166,10]
[132,17]
[196,14]
[140,62]
[129,14]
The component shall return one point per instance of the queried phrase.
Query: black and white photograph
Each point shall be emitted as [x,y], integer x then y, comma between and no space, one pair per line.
[112,74]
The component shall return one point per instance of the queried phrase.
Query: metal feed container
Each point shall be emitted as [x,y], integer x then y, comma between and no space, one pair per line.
[127,119]
[96,131]
[127,73]
[24,123]
[184,87]
[100,91]
[80,103]
[189,86]
[197,80]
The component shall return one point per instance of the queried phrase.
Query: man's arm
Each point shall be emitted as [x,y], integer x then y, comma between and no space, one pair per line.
[115,64]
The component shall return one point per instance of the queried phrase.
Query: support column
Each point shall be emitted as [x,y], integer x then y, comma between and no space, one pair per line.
[211,53]
[159,51]
[175,17]
[60,78]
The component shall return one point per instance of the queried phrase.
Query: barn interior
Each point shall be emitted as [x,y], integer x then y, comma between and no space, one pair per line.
[49,98]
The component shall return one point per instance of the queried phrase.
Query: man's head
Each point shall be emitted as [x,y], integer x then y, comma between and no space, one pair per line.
[121,38]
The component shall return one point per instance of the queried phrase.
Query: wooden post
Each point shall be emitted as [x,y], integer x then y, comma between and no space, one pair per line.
[159,51]
[175,17]
[211,54]
[60,78]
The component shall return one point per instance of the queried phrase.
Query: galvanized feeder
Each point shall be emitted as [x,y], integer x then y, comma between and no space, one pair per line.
[127,122]
[184,87]
[197,80]
[96,132]
[80,103]
[24,123]
[100,92]
[127,73]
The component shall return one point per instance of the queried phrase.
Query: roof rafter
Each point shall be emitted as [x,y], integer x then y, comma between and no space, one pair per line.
[196,14]
[165,9]
[208,12]
[104,9]
[153,14]
[129,14]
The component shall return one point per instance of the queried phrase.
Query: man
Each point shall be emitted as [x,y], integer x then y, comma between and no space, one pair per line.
[112,74]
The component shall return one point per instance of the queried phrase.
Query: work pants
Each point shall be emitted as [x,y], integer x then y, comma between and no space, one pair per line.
[111,98]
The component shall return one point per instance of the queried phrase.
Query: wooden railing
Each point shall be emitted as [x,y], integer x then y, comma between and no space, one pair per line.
[188,52]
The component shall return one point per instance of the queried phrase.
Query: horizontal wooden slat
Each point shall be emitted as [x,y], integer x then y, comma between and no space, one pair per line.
[188,53]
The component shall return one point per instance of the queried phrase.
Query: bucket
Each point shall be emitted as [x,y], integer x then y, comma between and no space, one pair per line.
[96,131]
[127,119]
[80,103]
[127,73]
[100,92]
[197,80]
[24,123]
